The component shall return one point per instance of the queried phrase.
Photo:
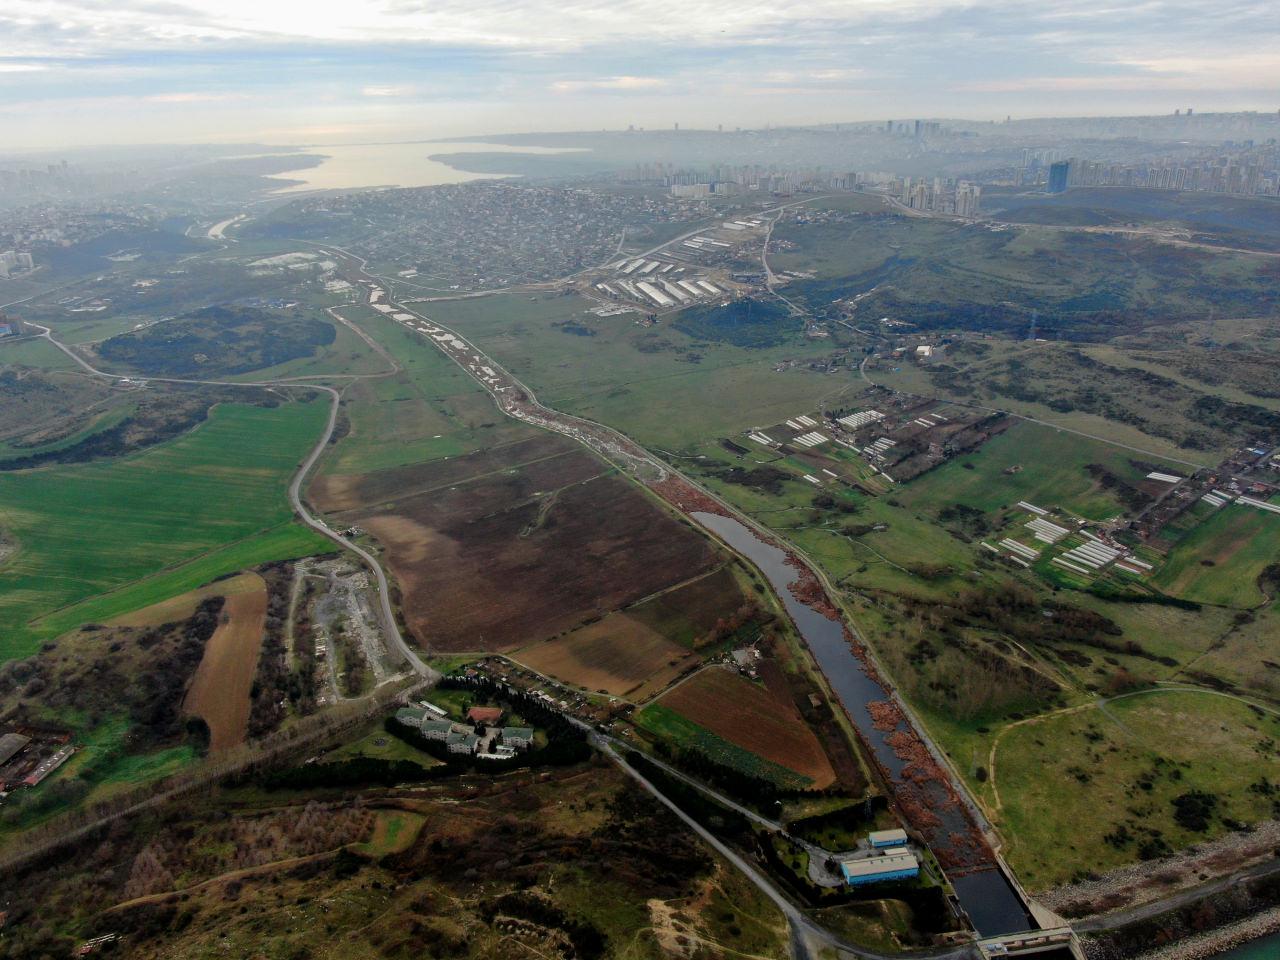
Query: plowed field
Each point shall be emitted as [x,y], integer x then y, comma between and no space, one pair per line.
[747,715]
[219,691]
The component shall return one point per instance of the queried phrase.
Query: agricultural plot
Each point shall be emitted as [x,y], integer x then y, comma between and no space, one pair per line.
[98,540]
[617,655]
[752,718]
[1094,789]
[689,613]
[1220,560]
[493,554]
[1030,463]
[221,689]
[666,723]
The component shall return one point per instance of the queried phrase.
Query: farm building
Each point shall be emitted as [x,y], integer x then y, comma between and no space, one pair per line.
[887,838]
[891,866]
[486,715]
[12,744]
[517,736]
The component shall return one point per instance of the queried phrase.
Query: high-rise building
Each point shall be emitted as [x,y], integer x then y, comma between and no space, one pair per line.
[1058,174]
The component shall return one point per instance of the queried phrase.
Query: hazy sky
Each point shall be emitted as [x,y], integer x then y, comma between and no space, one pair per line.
[129,71]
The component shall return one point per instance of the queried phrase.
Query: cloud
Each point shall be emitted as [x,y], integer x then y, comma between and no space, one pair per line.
[613,84]
[191,97]
[383,90]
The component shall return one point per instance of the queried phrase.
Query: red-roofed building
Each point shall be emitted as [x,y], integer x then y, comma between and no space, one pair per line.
[489,716]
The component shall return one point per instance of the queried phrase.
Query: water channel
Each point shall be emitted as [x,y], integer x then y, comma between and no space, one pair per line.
[994,907]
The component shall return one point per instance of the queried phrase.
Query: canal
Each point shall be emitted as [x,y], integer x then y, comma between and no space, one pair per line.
[923,792]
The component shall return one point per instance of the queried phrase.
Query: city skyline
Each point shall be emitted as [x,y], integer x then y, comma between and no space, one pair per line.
[72,75]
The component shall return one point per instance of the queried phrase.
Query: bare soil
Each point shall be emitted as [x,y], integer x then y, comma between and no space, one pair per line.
[617,655]
[220,690]
[749,716]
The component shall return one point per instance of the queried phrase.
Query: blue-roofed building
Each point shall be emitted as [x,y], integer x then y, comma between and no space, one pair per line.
[881,869]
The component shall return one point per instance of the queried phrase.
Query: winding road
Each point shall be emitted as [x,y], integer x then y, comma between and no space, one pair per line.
[386,612]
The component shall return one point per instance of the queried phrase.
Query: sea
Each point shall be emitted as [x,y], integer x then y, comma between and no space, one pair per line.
[353,166]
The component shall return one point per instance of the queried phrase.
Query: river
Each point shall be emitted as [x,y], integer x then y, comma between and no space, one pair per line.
[930,807]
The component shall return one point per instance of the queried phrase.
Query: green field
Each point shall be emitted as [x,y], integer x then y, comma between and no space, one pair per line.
[98,539]
[1067,783]
[1219,561]
[1051,475]
[656,384]
[432,409]
[666,723]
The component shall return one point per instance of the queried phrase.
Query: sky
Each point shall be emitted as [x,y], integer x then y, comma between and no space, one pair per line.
[81,72]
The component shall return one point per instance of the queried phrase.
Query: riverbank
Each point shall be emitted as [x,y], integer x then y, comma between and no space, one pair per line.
[1215,942]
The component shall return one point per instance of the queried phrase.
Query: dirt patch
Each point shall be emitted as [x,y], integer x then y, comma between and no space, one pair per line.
[349,492]
[618,655]
[220,690]
[749,716]
[519,555]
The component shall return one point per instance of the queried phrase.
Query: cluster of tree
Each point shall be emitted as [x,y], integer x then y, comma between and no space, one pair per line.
[566,745]
[719,819]
[356,772]
[585,939]
[846,818]
[219,340]
[766,478]
[534,710]
[747,323]
[1133,498]
[153,421]
[742,786]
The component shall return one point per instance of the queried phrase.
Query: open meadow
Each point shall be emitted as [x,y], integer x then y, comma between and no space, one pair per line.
[100,539]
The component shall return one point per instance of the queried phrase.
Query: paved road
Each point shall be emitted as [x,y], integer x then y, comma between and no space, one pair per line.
[387,614]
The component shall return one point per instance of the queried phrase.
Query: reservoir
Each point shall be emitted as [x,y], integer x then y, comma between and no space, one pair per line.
[928,803]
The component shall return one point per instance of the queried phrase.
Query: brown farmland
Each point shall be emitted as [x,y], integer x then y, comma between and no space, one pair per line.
[618,655]
[220,690]
[506,547]
[749,716]
[351,491]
